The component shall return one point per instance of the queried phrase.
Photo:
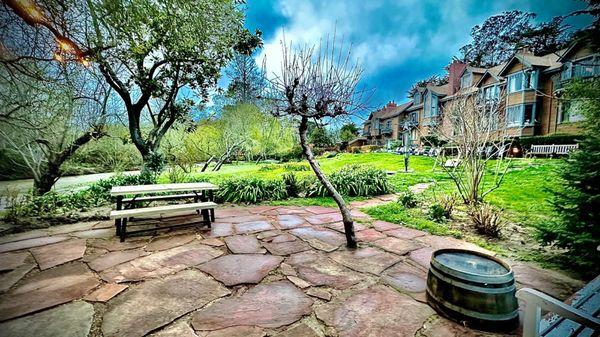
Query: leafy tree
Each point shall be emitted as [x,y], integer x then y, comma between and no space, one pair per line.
[496,40]
[149,51]
[578,201]
[319,137]
[348,132]
[591,34]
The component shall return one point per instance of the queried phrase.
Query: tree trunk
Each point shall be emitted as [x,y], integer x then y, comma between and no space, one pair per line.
[346,215]
[207,163]
[48,177]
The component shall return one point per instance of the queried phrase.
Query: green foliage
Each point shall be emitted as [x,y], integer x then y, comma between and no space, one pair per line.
[293,186]
[320,138]
[557,138]
[251,190]
[414,217]
[154,163]
[296,167]
[352,180]
[437,213]
[486,219]
[577,201]
[348,132]
[408,199]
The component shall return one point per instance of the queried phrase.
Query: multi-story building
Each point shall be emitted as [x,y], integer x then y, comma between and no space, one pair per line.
[530,86]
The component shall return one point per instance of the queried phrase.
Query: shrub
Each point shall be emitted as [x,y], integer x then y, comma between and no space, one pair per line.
[292,185]
[486,220]
[268,167]
[408,199]
[294,154]
[447,202]
[352,180]
[437,213]
[251,190]
[296,167]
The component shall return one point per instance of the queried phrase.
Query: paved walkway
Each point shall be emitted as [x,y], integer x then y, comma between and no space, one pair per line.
[260,271]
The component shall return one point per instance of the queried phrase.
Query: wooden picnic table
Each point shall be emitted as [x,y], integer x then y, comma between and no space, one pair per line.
[202,193]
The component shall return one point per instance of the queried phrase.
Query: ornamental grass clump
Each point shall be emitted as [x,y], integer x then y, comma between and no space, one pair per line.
[487,220]
[251,190]
[353,180]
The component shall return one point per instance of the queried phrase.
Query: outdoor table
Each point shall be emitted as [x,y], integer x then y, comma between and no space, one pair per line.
[202,192]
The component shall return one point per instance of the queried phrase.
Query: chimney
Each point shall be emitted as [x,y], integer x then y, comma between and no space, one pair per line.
[391,104]
[454,70]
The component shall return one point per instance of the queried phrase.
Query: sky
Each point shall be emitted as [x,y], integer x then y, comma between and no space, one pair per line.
[398,42]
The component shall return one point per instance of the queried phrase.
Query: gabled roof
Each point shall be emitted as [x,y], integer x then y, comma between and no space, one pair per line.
[475,70]
[389,111]
[494,72]
[440,90]
[568,51]
[530,60]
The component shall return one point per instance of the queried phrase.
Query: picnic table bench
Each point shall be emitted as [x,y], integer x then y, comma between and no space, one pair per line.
[579,319]
[554,149]
[128,197]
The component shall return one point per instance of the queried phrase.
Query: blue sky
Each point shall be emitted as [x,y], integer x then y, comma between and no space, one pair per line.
[397,42]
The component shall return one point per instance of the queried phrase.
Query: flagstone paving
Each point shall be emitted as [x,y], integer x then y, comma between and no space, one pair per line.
[258,271]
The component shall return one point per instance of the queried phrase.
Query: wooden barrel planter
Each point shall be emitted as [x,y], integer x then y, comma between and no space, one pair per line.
[473,288]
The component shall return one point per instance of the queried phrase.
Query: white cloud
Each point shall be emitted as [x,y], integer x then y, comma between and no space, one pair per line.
[310,21]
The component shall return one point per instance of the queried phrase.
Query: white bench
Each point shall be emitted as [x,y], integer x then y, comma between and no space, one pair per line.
[549,150]
[579,319]
[202,195]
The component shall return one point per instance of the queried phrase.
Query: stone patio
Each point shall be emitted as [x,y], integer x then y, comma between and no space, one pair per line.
[259,271]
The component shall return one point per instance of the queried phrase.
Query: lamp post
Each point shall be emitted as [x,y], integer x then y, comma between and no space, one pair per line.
[406,152]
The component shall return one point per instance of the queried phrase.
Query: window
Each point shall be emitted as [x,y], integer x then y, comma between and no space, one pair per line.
[388,124]
[513,115]
[515,82]
[434,105]
[417,97]
[491,93]
[586,68]
[465,80]
[520,115]
[570,112]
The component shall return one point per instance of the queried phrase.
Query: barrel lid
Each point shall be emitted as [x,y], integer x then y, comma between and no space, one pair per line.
[481,266]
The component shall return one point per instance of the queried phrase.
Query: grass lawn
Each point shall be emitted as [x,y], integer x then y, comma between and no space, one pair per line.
[524,195]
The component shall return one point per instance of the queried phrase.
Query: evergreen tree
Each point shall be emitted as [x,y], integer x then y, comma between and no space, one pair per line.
[577,203]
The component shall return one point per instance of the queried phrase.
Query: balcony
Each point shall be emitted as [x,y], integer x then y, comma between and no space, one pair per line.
[410,124]
[385,130]
[366,133]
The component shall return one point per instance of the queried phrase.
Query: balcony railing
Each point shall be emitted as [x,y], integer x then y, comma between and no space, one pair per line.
[410,124]
[385,130]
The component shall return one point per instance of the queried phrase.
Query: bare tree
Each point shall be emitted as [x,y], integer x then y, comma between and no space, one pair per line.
[475,128]
[320,84]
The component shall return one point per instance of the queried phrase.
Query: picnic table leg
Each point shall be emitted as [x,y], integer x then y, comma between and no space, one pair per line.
[118,221]
[211,197]
[123,233]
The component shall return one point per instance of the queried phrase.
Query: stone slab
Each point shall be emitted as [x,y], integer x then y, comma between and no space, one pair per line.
[160,263]
[375,311]
[320,238]
[270,305]
[244,244]
[396,246]
[59,253]
[405,233]
[156,303]
[288,221]
[253,227]
[167,242]
[105,292]
[366,260]
[69,320]
[320,270]
[47,289]
[286,248]
[30,243]
[180,328]
[7,280]
[241,268]
[112,259]
[10,261]
[369,235]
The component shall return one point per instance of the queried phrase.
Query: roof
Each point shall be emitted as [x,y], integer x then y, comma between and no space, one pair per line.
[472,70]
[544,61]
[440,90]
[390,111]
[493,71]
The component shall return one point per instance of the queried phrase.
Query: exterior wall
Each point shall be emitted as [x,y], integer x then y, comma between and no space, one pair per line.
[515,68]
[583,52]
[489,81]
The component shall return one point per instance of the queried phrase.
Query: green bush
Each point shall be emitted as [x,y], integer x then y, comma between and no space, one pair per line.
[352,181]
[408,199]
[268,167]
[293,186]
[296,167]
[437,213]
[294,154]
[251,190]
